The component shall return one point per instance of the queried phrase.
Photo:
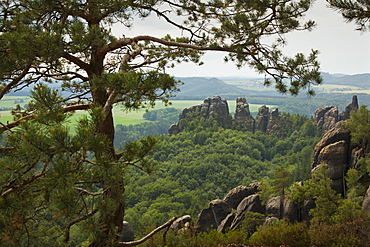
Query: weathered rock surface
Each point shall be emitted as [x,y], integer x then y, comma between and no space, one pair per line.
[243,117]
[236,195]
[284,209]
[328,116]
[251,203]
[180,222]
[127,233]
[214,107]
[211,217]
[217,109]
[226,223]
[334,150]
[353,106]
[262,118]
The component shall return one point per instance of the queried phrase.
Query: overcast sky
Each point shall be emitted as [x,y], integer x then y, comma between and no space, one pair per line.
[342,48]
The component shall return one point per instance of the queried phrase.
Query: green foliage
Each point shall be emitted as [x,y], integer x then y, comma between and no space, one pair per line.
[318,187]
[281,233]
[212,238]
[356,190]
[353,10]
[200,165]
[359,125]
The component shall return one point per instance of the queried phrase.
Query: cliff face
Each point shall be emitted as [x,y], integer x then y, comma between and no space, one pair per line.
[328,116]
[217,109]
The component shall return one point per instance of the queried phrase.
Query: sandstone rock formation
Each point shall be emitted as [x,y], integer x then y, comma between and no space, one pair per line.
[217,109]
[236,195]
[366,202]
[328,116]
[334,150]
[243,117]
[211,217]
[251,203]
[180,222]
[285,209]
[127,233]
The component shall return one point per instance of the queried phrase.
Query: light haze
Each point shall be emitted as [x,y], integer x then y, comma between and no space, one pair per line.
[342,49]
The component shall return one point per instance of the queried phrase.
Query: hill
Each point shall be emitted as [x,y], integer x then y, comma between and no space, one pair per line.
[358,80]
[206,87]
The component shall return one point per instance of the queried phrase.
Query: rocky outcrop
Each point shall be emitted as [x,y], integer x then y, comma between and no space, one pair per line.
[243,117]
[244,199]
[211,217]
[181,222]
[127,232]
[217,109]
[236,195]
[353,106]
[262,118]
[334,150]
[251,203]
[328,116]
[282,208]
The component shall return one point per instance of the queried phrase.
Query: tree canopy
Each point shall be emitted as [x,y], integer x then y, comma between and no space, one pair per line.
[56,180]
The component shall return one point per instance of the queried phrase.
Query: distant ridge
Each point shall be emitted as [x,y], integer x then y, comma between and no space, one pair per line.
[208,87]
[359,80]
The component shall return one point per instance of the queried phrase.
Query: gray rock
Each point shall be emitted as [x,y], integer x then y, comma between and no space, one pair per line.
[127,233]
[353,106]
[262,118]
[251,203]
[180,222]
[226,223]
[286,210]
[236,195]
[211,217]
[243,117]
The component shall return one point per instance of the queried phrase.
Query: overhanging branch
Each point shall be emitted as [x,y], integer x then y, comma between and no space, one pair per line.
[151,234]
[27,117]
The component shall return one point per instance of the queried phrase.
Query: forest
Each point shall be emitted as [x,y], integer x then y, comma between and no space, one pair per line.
[64,184]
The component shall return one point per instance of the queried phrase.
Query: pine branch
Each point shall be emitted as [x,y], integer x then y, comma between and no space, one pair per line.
[83,217]
[27,117]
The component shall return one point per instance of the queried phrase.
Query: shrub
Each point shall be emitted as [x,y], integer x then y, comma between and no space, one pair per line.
[281,233]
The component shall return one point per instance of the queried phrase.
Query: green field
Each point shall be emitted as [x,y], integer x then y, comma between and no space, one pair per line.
[120,115]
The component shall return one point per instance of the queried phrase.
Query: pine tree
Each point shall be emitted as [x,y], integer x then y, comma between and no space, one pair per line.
[54,184]
[353,10]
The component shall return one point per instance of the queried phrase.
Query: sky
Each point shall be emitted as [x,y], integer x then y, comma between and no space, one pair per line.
[342,49]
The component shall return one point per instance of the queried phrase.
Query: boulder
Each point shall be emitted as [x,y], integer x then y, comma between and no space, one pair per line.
[336,134]
[236,195]
[334,150]
[180,222]
[127,233]
[251,203]
[226,223]
[211,217]
[288,211]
